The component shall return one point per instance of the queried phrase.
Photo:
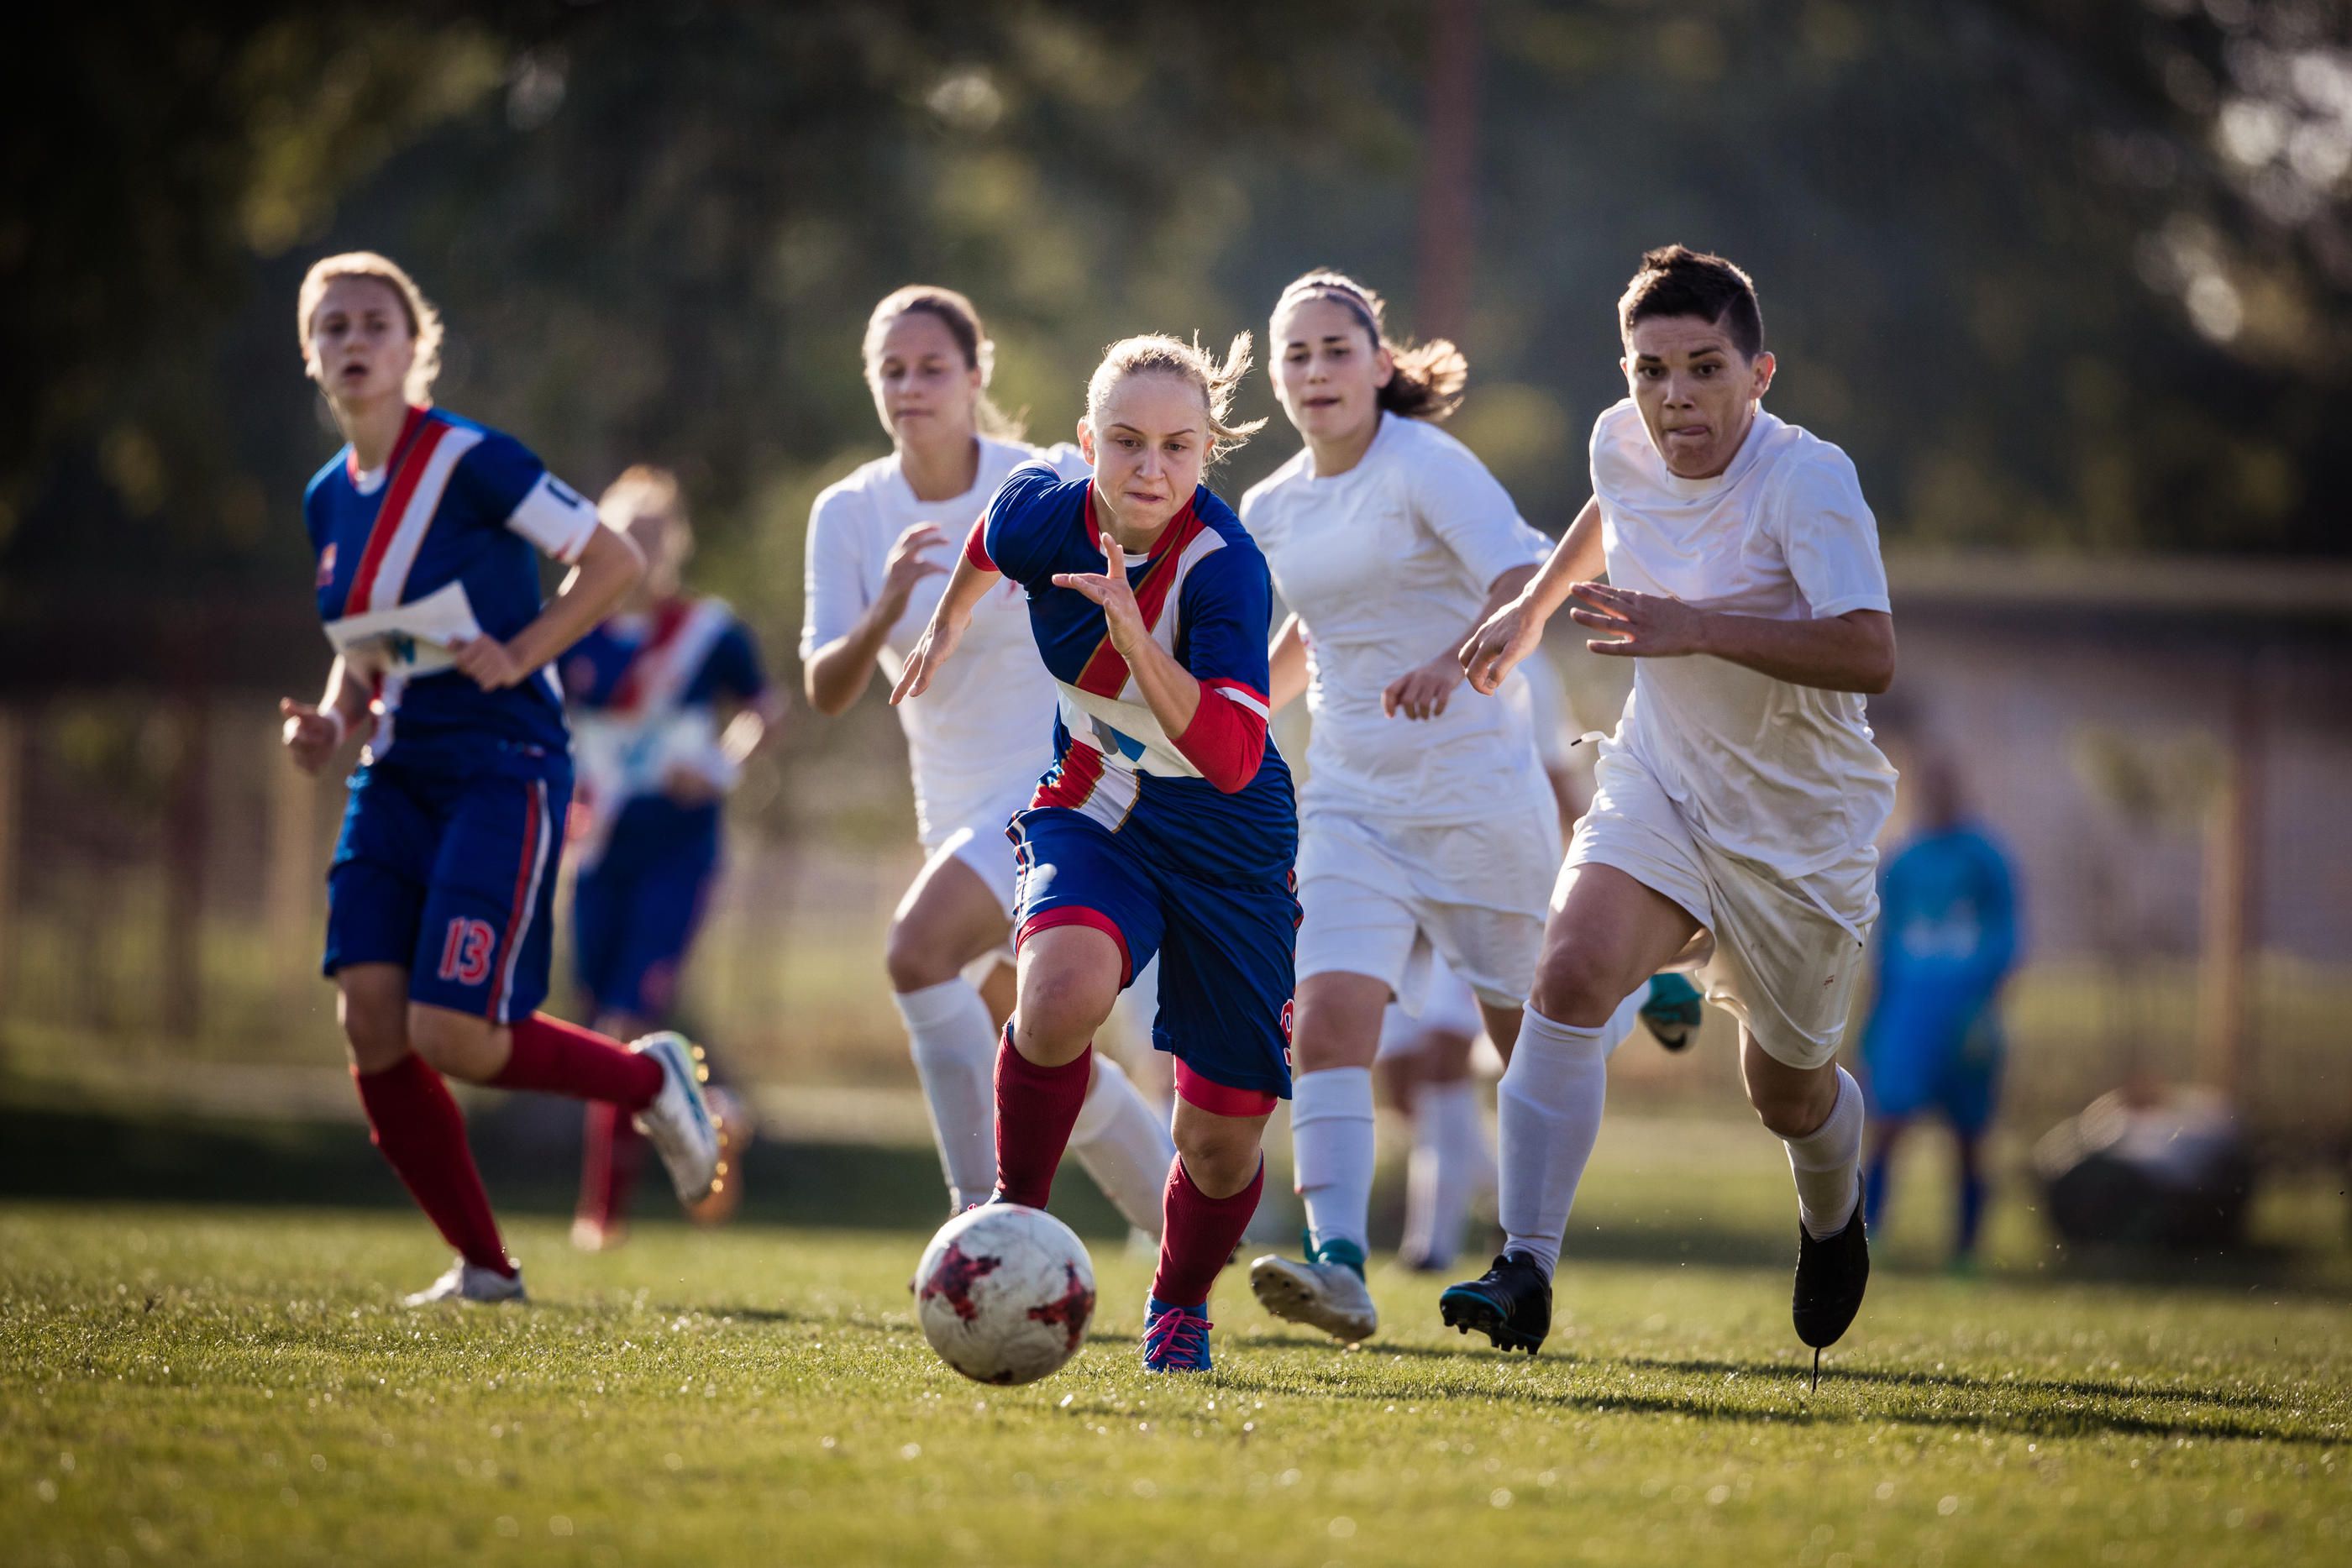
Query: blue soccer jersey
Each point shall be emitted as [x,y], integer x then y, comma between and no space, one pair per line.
[645,693]
[1179,846]
[1205,594]
[442,546]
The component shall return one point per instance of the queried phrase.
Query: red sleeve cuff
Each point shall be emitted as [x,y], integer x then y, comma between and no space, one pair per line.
[1226,739]
[975,546]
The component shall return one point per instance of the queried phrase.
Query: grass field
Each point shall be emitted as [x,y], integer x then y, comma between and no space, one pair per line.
[215,1382]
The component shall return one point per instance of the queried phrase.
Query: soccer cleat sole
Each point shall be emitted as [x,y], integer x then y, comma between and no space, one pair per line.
[1290,1299]
[1467,1310]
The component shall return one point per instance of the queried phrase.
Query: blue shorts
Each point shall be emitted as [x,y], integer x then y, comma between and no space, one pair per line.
[1922,1056]
[633,915]
[1225,951]
[450,876]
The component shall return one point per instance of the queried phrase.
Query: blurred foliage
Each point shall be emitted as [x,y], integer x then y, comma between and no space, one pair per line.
[2061,274]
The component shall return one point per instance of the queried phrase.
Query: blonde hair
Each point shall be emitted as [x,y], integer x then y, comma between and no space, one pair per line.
[957,314]
[642,488]
[1430,377]
[423,321]
[1157,353]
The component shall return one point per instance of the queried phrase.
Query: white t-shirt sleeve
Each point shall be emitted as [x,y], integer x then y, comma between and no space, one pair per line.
[834,587]
[555,517]
[1066,461]
[1469,510]
[1828,537]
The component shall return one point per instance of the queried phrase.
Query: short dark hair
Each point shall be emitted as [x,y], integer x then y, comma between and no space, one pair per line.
[1675,280]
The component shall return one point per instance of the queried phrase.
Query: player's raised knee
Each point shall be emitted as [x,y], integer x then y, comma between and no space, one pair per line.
[914,959]
[1577,985]
[455,1044]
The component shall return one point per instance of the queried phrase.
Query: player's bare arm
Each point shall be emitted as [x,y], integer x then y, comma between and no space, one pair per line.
[967,586]
[1285,660]
[1168,688]
[1849,652]
[838,674]
[1424,692]
[312,734]
[609,564]
[1515,628]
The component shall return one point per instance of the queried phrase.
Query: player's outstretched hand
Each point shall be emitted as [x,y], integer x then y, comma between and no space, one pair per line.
[486,660]
[930,652]
[1640,625]
[1109,588]
[1423,693]
[1493,651]
[909,563]
[310,735]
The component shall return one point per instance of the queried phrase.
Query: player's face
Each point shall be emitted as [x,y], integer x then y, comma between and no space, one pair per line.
[1328,370]
[1149,442]
[661,538]
[361,347]
[1695,389]
[923,389]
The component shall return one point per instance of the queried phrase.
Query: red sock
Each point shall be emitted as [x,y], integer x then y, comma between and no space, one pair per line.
[612,1149]
[1198,1233]
[422,1136]
[1035,1109]
[561,1058]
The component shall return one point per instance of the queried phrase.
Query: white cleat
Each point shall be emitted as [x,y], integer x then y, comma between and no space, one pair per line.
[467,1282]
[679,1122]
[1329,1296]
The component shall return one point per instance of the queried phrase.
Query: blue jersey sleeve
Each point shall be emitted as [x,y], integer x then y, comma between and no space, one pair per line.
[496,476]
[1225,611]
[733,669]
[1997,896]
[1017,530]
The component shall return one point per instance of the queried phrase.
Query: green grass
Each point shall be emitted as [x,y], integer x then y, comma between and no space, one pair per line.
[206,1381]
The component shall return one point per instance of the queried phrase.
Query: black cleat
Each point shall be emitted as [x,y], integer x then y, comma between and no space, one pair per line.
[1510,1305]
[1832,1274]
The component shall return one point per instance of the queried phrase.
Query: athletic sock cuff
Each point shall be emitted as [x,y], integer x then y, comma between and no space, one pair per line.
[935,1005]
[1835,1143]
[1560,1038]
[1334,1094]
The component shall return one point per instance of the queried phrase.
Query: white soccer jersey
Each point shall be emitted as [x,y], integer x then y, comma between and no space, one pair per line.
[1784,777]
[1387,566]
[978,737]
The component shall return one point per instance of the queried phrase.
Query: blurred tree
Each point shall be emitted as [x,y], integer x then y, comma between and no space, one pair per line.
[2049,290]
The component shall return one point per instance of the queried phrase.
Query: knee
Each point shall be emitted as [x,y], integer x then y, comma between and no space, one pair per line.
[914,961]
[1220,1160]
[375,1032]
[450,1043]
[1577,987]
[1793,1110]
[1057,1013]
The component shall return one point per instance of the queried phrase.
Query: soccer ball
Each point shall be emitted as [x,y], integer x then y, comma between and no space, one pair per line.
[1004,1293]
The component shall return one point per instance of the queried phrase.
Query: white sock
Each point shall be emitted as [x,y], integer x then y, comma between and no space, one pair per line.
[1331,1152]
[954,1047]
[1827,1164]
[1548,1107]
[1450,1166]
[1123,1145]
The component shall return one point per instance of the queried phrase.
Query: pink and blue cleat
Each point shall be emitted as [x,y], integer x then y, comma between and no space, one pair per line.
[1175,1339]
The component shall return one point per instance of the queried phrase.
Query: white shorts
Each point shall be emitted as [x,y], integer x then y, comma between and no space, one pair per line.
[1784,955]
[980,843]
[1448,1006]
[1383,900]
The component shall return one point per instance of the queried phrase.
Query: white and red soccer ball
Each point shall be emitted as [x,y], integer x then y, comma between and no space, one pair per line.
[1004,1293]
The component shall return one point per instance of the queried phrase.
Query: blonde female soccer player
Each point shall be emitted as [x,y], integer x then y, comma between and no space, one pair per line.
[1427,823]
[879,546]
[425,531]
[1166,823]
